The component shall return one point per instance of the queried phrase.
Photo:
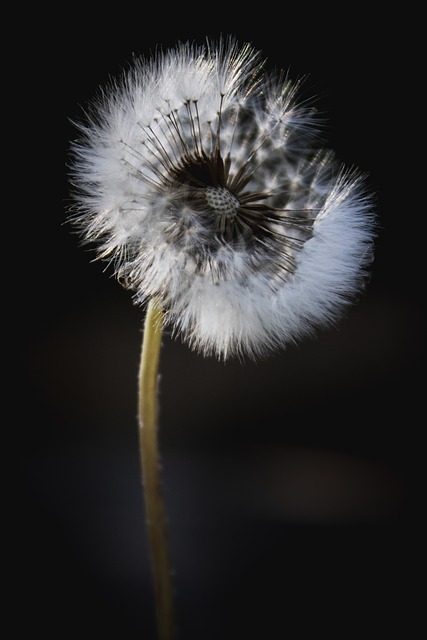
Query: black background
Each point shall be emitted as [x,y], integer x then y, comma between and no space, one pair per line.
[291,484]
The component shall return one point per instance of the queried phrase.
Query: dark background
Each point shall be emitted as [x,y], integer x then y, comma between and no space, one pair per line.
[291,484]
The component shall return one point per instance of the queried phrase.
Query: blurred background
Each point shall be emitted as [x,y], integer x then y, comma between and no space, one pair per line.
[291,484]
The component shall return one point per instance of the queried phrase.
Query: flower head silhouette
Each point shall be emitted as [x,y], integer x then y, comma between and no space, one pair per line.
[198,176]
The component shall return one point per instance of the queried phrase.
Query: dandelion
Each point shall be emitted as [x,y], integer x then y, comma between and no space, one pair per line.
[199,181]
[198,177]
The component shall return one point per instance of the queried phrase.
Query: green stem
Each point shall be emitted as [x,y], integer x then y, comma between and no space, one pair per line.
[150,463]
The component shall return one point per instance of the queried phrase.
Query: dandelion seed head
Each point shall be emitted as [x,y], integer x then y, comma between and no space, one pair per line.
[198,176]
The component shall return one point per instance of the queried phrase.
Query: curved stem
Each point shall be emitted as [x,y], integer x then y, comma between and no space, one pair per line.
[150,463]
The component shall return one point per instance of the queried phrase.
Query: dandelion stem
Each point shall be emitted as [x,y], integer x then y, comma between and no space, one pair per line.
[150,464]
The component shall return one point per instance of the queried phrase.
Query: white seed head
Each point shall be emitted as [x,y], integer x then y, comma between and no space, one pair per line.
[197,176]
